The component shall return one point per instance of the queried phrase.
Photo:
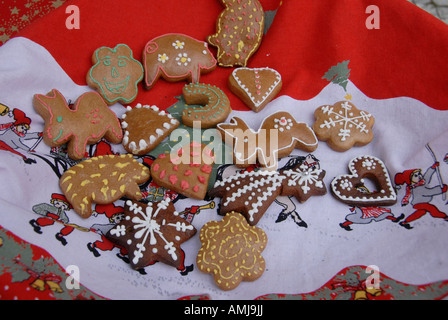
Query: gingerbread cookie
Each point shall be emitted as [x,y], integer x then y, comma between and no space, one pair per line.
[115,74]
[187,171]
[303,181]
[214,105]
[231,251]
[256,87]
[278,135]
[343,126]
[102,180]
[176,57]
[145,127]
[87,122]
[152,232]
[252,192]
[352,189]
[239,31]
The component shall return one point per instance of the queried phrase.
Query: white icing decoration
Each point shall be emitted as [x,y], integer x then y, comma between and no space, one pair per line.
[147,228]
[257,100]
[183,59]
[132,145]
[345,120]
[162,57]
[253,150]
[369,162]
[126,138]
[304,178]
[144,143]
[178,44]
[271,178]
[118,231]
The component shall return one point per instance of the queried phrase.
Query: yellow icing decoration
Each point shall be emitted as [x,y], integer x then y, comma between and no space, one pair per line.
[121,165]
[85,182]
[104,191]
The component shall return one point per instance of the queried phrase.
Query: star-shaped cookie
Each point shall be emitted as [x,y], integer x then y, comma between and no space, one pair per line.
[303,181]
[152,232]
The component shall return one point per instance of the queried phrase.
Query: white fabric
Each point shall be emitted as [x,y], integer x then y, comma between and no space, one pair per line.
[298,259]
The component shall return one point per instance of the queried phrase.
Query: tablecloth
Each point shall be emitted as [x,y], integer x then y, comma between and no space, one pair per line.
[385,57]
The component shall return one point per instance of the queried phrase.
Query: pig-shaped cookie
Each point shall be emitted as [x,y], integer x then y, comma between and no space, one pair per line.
[176,57]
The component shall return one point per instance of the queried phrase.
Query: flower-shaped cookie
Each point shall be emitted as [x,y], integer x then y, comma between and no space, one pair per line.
[231,251]
[115,74]
[343,126]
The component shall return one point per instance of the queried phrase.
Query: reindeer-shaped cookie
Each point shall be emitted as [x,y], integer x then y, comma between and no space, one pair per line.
[277,136]
[87,122]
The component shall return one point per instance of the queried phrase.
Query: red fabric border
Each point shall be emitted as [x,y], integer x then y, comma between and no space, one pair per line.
[405,57]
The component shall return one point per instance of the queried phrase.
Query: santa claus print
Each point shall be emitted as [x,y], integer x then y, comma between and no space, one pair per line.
[114,215]
[55,211]
[365,215]
[419,192]
[14,126]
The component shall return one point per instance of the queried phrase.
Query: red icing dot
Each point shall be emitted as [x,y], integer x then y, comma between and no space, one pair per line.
[172,178]
[188,173]
[196,188]
[206,168]
[184,185]
[162,155]
[201,179]
[156,167]
[162,174]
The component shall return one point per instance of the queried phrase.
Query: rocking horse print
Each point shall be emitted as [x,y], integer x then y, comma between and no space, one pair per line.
[86,123]
[277,137]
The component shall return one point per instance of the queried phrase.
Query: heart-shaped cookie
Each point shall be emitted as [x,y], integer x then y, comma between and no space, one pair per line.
[186,171]
[352,189]
[256,87]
